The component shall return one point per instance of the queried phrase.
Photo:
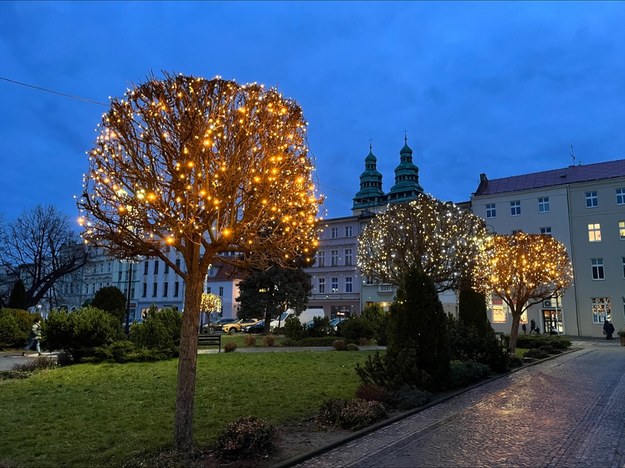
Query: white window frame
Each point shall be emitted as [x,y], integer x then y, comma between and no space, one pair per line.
[349,257]
[545,230]
[349,284]
[348,231]
[592,200]
[620,196]
[491,210]
[515,208]
[598,272]
[543,205]
[601,309]
[334,257]
[321,285]
[334,284]
[621,230]
[594,232]
[334,232]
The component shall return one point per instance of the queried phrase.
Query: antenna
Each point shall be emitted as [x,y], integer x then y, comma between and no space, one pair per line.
[573,155]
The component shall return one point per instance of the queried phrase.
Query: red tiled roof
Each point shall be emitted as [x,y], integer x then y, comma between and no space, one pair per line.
[567,175]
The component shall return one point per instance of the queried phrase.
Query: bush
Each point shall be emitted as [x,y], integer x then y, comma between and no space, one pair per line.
[535,353]
[320,327]
[34,365]
[355,328]
[536,341]
[478,344]
[514,360]
[249,340]
[269,341]
[159,330]
[407,398]
[350,414]
[230,347]
[339,345]
[351,347]
[287,342]
[462,373]
[112,300]
[372,392]
[378,320]
[80,332]
[393,373]
[126,351]
[245,437]
[293,329]
[15,325]
[320,341]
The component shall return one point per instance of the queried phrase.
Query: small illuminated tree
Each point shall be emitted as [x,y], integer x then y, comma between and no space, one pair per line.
[439,239]
[210,302]
[205,167]
[526,269]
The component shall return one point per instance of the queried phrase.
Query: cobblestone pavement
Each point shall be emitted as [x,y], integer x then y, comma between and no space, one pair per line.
[565,412]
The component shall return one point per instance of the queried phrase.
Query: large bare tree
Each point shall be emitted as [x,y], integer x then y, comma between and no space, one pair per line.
[206,167]
[40,248]
[526,269]
[440,239]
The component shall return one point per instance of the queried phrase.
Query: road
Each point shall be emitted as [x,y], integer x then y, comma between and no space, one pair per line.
[565,412]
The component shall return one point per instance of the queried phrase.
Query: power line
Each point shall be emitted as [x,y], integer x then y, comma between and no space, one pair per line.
[40,88]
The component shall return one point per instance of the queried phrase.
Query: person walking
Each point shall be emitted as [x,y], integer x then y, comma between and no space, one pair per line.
[608,329]
[34,339]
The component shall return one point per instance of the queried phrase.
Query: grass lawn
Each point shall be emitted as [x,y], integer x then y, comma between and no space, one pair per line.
[99,415]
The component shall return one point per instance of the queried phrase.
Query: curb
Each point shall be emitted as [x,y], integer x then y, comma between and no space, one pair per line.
[387,422]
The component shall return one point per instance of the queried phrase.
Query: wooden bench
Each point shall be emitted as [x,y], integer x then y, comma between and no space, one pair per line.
[208,339]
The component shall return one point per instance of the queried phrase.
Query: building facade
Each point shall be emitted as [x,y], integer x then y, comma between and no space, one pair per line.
[583,207]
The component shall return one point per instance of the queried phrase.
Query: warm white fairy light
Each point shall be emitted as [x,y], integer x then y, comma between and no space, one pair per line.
[444,241]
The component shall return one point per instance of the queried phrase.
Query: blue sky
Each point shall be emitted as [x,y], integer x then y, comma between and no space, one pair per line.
[502,88]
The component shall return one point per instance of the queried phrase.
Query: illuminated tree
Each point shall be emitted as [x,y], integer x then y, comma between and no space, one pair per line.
[439,239]
[40,248]
[210,302]
[205,167]
[526,269]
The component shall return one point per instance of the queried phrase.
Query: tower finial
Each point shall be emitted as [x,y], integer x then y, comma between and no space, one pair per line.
[370,145]
[406,137]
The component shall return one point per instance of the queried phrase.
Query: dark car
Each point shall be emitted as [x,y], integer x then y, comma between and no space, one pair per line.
[258,327]
[216,326]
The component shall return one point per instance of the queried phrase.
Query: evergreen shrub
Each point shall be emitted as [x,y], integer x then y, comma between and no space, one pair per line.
[245,437]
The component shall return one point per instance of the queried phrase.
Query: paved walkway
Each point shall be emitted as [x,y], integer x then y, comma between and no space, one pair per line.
[565,412]
[9,359]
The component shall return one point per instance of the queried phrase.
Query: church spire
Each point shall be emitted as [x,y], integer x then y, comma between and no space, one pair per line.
[370,193]
[406,177]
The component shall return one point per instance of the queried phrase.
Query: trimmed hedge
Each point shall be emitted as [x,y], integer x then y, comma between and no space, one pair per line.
[536,341]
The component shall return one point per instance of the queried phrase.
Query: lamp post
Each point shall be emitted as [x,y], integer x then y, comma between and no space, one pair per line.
[128,296]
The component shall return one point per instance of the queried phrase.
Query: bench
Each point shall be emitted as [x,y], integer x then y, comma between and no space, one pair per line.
[208,339]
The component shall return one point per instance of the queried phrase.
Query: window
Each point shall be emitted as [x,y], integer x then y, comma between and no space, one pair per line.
[176,288]
[591,199]
[545,230]
[515,208]
[145,268]
[321,258]
[620,196]
[543,204]
[334,257]
[499,314]
[348,231]
[621,230]
[145,290]
[322,285]
[156,267]
[491,211]
[119,276]
[348,257]
[348,284]
[594,232]
[601,309]
[154,288]
[334,285]
[334,232]
[178,263]
[166,268]
[623,258]
[597,268]
[221,291]
[165,288]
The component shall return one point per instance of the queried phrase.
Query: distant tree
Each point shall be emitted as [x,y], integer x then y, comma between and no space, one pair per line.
[527,269]
[267,293]
[205,167]
[17,299]
[40,248]
[112,300]
[440,239]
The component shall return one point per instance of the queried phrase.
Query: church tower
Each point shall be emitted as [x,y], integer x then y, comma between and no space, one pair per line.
[370,194]
[406,186]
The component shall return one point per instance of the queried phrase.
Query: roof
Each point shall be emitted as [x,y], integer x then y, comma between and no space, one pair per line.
[564,176]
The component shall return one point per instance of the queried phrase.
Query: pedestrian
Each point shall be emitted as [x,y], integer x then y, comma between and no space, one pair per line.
[532,326]
[524,328]
[608,329]
[34,338]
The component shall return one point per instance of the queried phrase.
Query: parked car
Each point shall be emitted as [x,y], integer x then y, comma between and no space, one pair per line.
[306,316]
[217,326]
[334,323]
[258,327]
[238,326]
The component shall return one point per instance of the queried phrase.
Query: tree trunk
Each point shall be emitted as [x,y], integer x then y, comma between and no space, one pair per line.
[185,391]
[514,331]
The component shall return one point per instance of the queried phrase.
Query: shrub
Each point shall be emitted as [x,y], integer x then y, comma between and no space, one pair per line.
[393,373]
[372,392]
[351,347]
[548,349]
[478,344]
[535,353]
[80,332]
[378,320]
[249,340]
[15,325]
[536,341]
[35,365]
[514,360]
[355,328]
[462,373]
[320,341]
[408,397]
[245,437]
[126,351]
[269,341]
[230,347]
[320,327]
[350,414]
[287,342]
[112,300]
[159,330]
[339,345]
[293,329]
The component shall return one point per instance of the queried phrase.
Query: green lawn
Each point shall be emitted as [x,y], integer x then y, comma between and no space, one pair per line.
[99,415]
